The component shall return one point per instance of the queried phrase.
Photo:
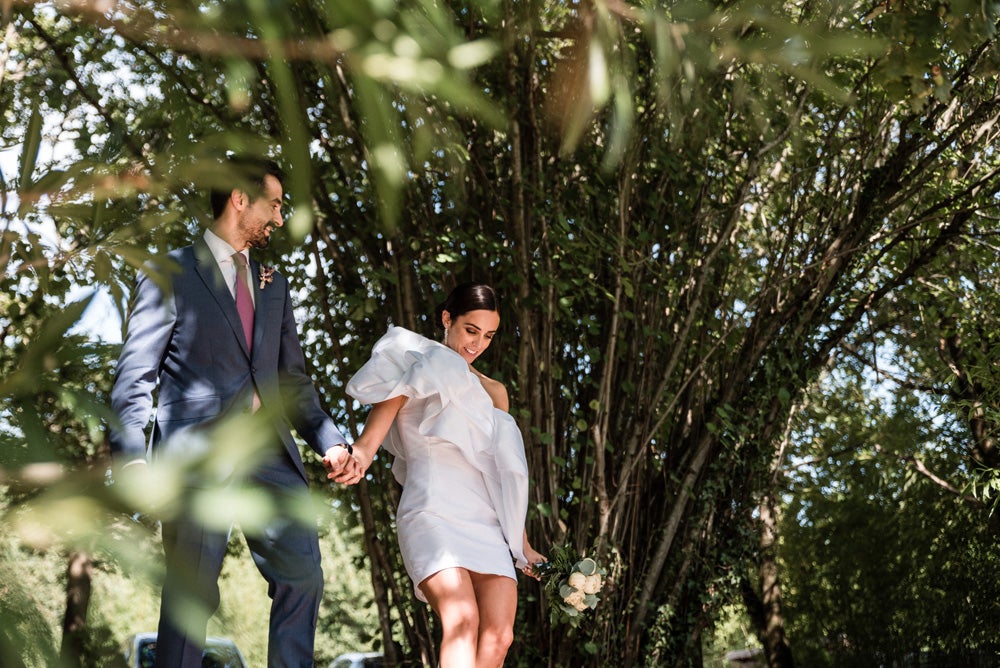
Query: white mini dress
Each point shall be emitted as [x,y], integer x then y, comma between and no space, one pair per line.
[459,459]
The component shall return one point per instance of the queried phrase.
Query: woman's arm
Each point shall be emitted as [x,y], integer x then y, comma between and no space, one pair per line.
[375,430]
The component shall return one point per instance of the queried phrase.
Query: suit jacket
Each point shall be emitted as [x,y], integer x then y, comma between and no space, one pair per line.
[188,343]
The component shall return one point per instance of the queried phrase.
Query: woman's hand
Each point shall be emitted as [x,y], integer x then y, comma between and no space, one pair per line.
[533,557]
[341,466]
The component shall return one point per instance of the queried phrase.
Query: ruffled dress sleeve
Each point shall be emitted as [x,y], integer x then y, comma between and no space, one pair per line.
[456,409]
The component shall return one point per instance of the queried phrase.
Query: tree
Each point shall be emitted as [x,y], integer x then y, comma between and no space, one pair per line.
[896,453]
[881,563]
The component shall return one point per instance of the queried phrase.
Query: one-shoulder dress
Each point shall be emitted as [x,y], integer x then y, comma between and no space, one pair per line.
[459,459]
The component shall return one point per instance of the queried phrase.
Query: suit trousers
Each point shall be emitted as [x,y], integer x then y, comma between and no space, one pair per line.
[285,551]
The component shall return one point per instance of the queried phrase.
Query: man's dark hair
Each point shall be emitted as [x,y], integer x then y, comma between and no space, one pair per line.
[242,173]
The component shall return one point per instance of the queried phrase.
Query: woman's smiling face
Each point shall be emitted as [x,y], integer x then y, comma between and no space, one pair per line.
[470,333]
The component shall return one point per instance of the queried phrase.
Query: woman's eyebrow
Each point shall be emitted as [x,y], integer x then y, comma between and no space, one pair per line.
[478,328]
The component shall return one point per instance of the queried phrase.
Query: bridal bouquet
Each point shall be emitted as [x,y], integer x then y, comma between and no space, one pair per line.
[572,584]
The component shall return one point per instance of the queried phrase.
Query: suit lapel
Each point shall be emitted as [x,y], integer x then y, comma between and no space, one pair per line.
[264,305]
[211,275]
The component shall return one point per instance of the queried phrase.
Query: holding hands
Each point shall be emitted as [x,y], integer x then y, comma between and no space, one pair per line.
[342,466]
[347,464]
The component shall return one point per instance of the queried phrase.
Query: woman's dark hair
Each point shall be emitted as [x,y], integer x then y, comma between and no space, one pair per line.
[467,297]
[242,173]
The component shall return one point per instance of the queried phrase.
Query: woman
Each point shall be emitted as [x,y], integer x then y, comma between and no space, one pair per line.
[460,459]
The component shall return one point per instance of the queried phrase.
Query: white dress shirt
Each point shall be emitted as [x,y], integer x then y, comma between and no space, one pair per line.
[223,254]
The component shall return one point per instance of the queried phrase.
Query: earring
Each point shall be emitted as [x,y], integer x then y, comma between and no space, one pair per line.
[446,329]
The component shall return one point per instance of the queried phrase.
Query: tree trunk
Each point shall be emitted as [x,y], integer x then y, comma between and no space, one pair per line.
[772,633]
[78,583]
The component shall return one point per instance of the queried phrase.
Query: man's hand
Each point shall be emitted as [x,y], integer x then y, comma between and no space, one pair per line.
[341,466]
[129,480]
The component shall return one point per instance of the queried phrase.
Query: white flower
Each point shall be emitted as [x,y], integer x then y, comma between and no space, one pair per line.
[573,584]
[592,583]
[576,599]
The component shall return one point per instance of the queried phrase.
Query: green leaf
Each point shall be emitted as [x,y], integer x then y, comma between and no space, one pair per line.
[32,143]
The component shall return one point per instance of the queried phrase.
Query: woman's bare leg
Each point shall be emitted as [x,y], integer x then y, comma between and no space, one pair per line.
[497,603]
[451,594]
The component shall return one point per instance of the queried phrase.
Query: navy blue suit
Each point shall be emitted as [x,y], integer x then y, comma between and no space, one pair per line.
[188,345]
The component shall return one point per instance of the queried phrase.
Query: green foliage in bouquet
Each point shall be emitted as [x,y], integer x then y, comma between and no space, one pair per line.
[571,583]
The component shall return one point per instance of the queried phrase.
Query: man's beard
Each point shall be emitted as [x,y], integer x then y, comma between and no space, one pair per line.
[259,238]
[260,242]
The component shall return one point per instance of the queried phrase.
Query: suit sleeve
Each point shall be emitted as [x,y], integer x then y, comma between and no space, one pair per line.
[150,324]
[311,422]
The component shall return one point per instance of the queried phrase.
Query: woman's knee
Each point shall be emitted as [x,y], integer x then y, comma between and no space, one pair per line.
[459,614]
[497,638]
[461,621]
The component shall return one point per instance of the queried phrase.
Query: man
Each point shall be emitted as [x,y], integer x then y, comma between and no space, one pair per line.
[223,341]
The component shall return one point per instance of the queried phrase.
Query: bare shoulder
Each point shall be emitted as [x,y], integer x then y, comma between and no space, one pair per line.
[496,390]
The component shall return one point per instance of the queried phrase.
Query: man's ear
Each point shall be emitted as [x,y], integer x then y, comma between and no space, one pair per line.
[239,199]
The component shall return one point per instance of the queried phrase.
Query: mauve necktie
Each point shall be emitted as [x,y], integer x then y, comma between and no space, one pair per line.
[244,302]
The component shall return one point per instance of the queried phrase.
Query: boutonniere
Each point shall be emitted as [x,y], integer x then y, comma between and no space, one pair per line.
[266,275]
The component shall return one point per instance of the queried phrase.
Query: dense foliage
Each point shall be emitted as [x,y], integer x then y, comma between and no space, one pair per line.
[881,564]
[691,209]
